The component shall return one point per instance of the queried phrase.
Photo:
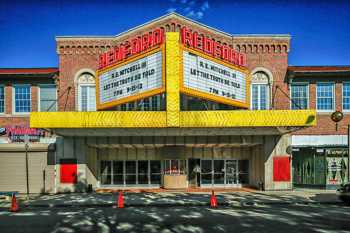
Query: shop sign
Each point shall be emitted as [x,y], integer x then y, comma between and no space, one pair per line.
[17,133]
[209,79]
[133,80]
[212,48]
[337,170]
[336,152]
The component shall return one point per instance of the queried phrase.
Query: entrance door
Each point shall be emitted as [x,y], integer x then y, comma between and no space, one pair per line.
[194,172]
[231,172]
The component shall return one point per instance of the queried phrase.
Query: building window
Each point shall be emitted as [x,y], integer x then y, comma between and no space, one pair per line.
[22,99]
[259,96]
[260,91]
[48,98]
[325,96]
[2,99]
[299,96]
[346,96]
[86,93]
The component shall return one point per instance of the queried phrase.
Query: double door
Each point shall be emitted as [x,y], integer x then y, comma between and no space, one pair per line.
[224,172]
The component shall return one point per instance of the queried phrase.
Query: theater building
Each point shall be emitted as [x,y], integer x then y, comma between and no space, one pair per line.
[176,104]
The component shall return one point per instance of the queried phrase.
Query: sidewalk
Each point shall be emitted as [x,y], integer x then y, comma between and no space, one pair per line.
[238,198]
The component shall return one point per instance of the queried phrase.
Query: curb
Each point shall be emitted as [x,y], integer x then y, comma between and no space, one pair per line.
[202,204]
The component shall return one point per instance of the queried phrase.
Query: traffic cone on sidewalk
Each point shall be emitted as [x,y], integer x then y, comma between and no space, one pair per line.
[14,204]
[213,200]
[120,200]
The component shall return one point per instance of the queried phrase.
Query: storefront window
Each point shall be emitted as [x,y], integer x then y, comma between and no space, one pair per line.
[130,172]
[142,167]
[118,172]
[106,169]
[155,171]
[299,96]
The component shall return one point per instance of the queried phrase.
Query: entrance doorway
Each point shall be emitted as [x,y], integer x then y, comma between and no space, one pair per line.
[194,170]
[228,173]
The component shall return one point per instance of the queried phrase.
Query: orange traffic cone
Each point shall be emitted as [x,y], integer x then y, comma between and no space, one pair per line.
[14,204]
[213,200]
[120,200]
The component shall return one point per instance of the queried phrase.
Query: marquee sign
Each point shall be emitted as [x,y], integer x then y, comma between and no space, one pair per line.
[212,48]
[214,80]
[135,69]
[132,47]
[134,79]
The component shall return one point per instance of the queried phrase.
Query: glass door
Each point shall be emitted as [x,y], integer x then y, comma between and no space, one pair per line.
[206,172]
[118,172]
[219,172]
[142,171]
[231,172]
[130,172]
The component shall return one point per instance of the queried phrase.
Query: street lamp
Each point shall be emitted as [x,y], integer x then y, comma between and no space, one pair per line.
[336,117]
[26,146]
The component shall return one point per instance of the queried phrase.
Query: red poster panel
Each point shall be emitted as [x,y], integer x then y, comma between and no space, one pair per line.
[281,168]
[69,173]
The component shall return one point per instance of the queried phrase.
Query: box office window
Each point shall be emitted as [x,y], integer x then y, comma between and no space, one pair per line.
[2,99]
[175,166]
[299,96]
[325,96]
[22,99]
[48,98]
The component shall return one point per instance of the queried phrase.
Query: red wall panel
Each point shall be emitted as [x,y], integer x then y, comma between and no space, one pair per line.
[69,173]
[281,168]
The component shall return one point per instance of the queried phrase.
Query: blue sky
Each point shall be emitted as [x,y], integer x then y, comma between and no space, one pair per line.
[320,29]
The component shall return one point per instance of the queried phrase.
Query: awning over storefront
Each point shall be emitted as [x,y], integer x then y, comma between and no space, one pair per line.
[114,123]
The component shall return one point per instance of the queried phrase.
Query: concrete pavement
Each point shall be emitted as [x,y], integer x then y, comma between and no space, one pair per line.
[178,199]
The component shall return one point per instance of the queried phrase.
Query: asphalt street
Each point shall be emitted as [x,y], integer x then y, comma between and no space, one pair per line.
[273,218]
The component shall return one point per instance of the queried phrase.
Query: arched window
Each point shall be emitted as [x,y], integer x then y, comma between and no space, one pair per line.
[260,91]
[86,92]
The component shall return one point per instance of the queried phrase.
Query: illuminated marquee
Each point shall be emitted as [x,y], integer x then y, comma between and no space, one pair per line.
[211,79]
[212,48]
[132,80]
[131,47]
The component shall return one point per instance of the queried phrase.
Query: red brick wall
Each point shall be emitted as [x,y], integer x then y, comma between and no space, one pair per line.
[8,119]
[325,126]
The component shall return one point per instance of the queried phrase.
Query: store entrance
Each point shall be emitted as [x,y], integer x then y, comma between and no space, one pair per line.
[228,173]
[194,170]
